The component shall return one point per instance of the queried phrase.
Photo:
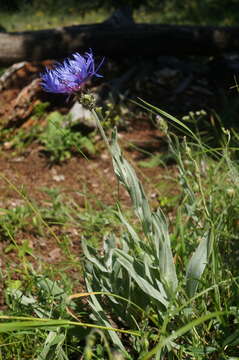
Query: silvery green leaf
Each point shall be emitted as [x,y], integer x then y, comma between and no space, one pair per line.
[108,245]
[130,229]
[52,288]
[55,340]
[21,298]
[28,300]
[163,251]
[127,176]
[89,257]
[160,288]
[197,264]
[101,317]
[127,262]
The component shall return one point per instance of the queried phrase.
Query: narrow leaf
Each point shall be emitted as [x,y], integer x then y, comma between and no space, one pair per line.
[197,265]
[164,252]
[101,317]
[127,262]
[127,176]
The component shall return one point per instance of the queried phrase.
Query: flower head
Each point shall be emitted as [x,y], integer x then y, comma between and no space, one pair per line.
[69,77]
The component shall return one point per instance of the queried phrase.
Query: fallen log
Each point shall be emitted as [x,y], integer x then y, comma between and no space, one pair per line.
[125,41]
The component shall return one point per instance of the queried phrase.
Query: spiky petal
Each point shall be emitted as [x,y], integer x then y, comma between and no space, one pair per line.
[69,77]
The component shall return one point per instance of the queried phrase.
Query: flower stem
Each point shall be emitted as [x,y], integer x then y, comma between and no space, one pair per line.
[98,118]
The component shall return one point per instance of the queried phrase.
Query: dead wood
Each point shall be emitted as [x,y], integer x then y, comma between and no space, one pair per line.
[124,41]
[24,103]
[5,78]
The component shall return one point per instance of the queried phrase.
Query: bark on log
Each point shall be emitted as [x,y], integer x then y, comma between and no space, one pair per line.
[104,39]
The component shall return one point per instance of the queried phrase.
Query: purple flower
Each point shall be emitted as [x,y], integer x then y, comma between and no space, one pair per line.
[68,77]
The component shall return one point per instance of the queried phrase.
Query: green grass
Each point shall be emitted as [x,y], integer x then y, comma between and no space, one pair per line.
[166,283]
[34,20]
[44,17]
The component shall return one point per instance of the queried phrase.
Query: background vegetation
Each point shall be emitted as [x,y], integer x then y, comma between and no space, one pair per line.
[159,11]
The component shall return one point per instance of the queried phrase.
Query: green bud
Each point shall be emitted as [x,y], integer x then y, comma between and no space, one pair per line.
[161,124]
[87,100]
[185,118]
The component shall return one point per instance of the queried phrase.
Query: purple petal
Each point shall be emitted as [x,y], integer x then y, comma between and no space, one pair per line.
[71,75]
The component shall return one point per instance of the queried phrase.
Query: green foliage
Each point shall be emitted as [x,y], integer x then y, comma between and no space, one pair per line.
[38,299]
[51,5]
[137,271]
[172,11]
[60,141]
[205,12]
[12,220]
[40,108]
[20,15]
[21,139]
[153,161]
[164,287]
[114,115]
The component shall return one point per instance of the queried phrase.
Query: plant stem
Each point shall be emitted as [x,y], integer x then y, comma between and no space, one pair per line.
[102,132]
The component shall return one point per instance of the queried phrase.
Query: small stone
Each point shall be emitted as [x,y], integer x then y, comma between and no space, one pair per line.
[79,114]
[58,178]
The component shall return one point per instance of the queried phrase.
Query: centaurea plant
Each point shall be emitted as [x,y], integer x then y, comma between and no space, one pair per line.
[142,273]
